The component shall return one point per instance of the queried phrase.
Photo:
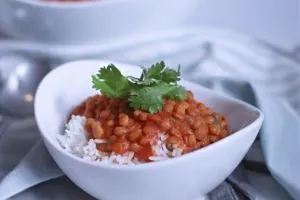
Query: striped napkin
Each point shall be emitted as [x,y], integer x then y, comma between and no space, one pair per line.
[226,62]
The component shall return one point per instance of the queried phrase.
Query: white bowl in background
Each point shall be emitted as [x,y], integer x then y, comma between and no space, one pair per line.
[184,178]
[89,22]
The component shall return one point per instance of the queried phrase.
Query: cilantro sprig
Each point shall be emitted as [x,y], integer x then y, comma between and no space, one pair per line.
[146,92]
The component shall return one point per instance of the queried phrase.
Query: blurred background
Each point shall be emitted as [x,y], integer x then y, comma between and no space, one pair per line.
[256,42]
[275,21]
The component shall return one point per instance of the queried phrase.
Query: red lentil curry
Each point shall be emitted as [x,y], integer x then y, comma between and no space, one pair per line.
[134,126]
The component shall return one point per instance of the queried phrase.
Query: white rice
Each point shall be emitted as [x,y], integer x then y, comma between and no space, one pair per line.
[74,141]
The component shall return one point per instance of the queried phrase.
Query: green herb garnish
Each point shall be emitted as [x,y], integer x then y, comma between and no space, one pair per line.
[111,82]
[146,92]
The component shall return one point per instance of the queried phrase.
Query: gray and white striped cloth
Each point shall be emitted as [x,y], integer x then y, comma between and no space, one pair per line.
[228,62]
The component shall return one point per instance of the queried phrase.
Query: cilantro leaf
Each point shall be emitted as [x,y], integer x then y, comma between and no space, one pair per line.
[170,75]
[146,92]
[150,98]
[144,100]
[159,72]
[154,72]
[177,93]
[111,82]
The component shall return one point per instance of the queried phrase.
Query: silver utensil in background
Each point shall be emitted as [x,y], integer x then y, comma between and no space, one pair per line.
[19,79]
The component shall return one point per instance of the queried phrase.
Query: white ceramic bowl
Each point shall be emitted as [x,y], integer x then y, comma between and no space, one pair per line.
[185,178]
[89,22]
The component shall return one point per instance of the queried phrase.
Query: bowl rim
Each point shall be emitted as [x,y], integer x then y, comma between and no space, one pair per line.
[71,5]
[154,165]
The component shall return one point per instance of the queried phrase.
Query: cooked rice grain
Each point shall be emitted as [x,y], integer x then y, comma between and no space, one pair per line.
[74,141]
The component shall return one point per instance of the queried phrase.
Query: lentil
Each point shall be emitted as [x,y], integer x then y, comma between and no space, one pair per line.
[188,124]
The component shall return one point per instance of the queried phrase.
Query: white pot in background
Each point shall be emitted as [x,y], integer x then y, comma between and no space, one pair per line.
[92,22]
